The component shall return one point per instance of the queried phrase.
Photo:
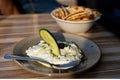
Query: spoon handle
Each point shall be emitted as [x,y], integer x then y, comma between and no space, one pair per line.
[9,56]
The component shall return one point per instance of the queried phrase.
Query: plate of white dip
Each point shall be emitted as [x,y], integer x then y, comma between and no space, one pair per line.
[88,47]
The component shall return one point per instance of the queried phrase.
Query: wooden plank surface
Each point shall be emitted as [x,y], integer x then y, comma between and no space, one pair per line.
[17,27]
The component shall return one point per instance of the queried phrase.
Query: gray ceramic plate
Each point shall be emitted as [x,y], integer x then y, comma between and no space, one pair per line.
[90,49]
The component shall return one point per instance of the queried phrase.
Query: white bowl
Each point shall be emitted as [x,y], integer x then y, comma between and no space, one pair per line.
[73,26]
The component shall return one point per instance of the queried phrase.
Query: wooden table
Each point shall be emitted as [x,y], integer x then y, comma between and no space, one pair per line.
[17,27]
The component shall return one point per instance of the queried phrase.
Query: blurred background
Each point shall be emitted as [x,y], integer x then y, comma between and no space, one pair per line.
[110,9]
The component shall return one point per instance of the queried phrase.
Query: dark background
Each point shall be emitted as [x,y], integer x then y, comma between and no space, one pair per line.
[110,10]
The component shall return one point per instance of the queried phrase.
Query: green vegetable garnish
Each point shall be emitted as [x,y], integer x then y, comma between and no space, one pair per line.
[49,38]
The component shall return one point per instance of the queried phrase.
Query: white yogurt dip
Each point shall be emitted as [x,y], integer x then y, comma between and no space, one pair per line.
[68,54]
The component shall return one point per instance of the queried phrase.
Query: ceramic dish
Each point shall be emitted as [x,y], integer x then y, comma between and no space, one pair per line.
[90,49]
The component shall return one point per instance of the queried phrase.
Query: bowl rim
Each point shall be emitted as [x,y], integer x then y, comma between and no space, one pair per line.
[58,19]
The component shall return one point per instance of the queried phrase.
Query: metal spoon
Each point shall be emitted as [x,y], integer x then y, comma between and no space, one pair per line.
[56,66]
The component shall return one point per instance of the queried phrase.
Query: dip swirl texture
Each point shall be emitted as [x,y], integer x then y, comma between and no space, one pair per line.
[68,53]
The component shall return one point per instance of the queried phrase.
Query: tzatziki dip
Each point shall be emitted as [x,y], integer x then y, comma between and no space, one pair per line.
[68,52]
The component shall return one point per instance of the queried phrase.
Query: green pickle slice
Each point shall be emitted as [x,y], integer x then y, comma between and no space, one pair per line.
[49,38]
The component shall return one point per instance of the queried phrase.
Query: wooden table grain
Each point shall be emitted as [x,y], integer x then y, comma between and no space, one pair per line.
[17,27]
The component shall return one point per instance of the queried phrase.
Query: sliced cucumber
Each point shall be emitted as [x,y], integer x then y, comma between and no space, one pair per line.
[48,37]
